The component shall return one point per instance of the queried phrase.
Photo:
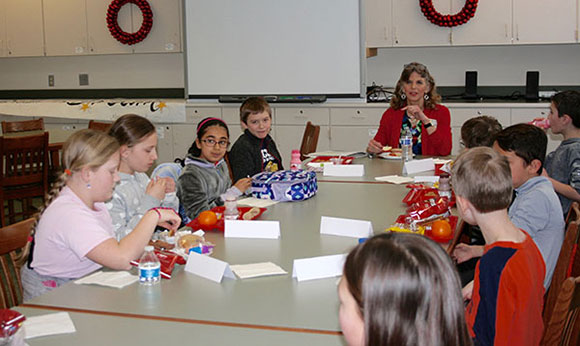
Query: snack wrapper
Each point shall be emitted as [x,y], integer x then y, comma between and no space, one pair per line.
[429,209]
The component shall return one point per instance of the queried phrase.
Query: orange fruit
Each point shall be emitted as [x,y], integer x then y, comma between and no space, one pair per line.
[441,229]
[207,218]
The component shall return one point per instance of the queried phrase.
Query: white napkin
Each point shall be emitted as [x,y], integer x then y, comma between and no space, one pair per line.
[109,279]
[426,178]
[395,179]
[438,161]
[51,324]
[254,270]
[257,202]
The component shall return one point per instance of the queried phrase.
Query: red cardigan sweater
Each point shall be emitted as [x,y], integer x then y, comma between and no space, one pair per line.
[436,144]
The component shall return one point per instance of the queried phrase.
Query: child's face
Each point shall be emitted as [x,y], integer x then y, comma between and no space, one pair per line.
[351,322]
[104,178]
[521,171]
[259,124]
[213,143]
[141,156]
[556,124]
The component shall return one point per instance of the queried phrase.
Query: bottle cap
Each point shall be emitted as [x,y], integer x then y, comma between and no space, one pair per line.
[149,248]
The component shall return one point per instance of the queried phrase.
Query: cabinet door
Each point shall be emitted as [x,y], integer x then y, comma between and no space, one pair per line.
[378,23]
[351,138]
[289,137]
[411,28]
[541,21]
[299,116]
[3,48]
[65,27]
[490,25]
[165,35]
[100,39]
[24,32]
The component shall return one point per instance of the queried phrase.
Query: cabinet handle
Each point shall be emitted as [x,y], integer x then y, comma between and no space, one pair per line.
[395,35]
[517,32]
[386,33]
[478,112]
[506,30]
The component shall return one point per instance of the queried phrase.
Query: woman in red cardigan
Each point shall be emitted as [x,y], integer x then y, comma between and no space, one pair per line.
[415,105]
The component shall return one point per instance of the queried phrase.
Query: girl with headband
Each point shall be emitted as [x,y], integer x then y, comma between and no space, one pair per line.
[205,176]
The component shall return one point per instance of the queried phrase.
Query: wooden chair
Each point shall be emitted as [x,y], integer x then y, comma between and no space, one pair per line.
[309,140]
[22,126]
[460,236]
[563,328]
[13,239]
[23,173]
[99,126]
[565,266]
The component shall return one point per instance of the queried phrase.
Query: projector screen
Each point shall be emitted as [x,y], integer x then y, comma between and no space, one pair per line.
[273,47]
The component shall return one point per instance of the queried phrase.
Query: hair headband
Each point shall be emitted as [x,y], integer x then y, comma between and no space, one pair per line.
[209,119]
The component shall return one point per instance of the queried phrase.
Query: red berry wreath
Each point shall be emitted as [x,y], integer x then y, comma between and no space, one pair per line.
[115,29]
[462,17]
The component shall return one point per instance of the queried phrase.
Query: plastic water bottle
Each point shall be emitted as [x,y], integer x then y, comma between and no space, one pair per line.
[444,186]
[406,143]
[231,211]
[149,267]
[295,162]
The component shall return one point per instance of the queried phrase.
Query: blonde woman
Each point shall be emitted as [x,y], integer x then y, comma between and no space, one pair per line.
[74,235]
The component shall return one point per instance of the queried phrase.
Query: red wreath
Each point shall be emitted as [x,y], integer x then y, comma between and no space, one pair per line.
[115,29]
[462,17]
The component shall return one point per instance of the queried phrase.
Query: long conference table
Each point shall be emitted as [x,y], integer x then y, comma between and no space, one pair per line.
[269,310]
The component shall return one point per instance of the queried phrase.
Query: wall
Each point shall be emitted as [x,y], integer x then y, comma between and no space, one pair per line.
[499,65]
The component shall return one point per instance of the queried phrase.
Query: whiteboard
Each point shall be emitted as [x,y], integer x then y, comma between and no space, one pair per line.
[273,47]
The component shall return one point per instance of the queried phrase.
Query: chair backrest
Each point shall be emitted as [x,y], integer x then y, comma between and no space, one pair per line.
[563,328]
[573,213]
[99,126]
[24,160]
[12,239]
[563,269]
[23,126]
[458,237]
[309,140]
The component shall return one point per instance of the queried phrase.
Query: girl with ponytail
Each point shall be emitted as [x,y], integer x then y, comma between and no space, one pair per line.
[74,234]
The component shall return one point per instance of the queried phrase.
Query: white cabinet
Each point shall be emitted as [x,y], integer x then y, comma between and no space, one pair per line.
[411,28]
[65,27]
[352,128]
[23,30]
[490,25]
[165,35]
[541,21]
[379,32]
[100,39]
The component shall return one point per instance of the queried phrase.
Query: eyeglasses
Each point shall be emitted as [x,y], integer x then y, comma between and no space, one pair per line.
[212,142]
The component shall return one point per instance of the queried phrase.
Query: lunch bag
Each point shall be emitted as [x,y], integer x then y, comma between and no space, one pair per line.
[284,185]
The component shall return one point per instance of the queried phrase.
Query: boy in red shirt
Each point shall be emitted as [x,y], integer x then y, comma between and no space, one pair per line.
[507,296]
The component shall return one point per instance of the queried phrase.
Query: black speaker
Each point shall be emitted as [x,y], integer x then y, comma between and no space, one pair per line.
[532,85]
[470,85]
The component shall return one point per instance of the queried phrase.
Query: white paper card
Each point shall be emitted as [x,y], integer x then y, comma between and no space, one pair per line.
[208,267]
[438,161]
[344,170]
[254,270]
[318,267]
[415,166]
[51,324]
[426,178]
[257,202]
[109,279]
[395,179]
[345,227]
[252,229]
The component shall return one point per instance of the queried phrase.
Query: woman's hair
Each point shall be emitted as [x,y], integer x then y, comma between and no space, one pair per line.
[201,130]
[408,291]
[84,148]
[131,129]
[398,102]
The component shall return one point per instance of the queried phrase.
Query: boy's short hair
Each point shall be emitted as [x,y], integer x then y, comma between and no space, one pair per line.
[254,105]
[568,102]
[480,131]
[483,177]
[527,141]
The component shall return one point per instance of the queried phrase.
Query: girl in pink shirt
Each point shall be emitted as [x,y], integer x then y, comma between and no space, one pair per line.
[74,235]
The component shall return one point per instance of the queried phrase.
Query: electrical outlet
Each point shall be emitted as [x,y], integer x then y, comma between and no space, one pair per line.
[50,80]
[83,79]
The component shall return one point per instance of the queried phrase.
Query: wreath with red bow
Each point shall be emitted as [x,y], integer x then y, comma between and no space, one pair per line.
[115,29]
[462,17]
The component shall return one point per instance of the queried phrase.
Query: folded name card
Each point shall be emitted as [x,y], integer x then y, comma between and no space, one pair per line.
[318,267]
[344,170]
[416,166]
[345,227]
[208,267]
[252,229]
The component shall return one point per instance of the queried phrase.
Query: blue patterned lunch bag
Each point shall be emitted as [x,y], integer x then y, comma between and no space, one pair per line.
[284,185]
